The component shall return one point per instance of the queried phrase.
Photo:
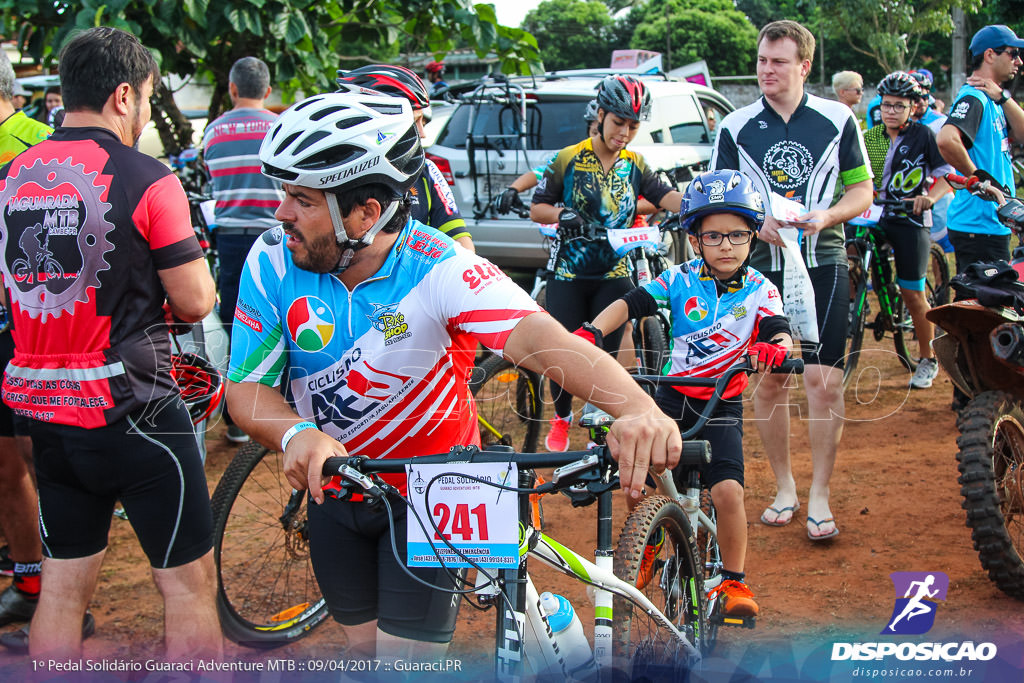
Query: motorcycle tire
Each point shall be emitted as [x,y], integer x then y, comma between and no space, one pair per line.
[991,460]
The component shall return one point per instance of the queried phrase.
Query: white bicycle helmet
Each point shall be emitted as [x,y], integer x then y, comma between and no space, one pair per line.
[339,141]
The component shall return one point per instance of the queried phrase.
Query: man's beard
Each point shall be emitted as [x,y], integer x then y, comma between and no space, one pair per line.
[322,253]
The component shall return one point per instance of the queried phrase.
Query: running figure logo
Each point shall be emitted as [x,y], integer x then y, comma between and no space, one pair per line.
[914,612]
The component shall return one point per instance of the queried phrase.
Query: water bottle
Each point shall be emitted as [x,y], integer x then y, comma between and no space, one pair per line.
[572,644]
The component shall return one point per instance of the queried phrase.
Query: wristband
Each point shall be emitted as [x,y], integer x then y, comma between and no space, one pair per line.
[295,429]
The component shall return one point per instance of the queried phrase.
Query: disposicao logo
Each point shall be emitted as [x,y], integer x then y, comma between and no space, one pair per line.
[916,602]
[696,308]
[310,323]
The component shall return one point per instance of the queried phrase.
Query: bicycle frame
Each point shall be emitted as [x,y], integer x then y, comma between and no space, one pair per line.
[868,242]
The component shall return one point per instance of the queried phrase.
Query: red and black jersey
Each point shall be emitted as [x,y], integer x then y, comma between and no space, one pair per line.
[87,222]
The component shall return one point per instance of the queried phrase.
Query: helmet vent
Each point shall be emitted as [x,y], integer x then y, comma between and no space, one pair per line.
[335,156]
[389,109]
[354,121]
[287,141]
[327,111]
[310,140]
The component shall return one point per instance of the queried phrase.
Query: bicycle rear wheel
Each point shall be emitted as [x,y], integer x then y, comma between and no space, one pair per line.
[643,646]
[857,315]
[937,288]
[267,595]
[508,404]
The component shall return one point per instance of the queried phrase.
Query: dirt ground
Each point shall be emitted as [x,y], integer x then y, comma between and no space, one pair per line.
[894,495]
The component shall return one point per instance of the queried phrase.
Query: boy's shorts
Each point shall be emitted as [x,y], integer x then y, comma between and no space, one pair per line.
[724,431]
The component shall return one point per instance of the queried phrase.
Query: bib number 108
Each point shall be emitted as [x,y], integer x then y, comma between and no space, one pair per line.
[461,521]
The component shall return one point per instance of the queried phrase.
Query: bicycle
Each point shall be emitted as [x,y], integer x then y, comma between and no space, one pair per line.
[694,504]
[871,261]
[187,167]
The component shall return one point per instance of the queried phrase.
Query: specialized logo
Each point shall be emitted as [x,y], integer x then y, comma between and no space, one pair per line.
[310,323]
[716,191]
[914,612]
[960,110]
[696,308]
[386,318]
[788,164]
[62,233]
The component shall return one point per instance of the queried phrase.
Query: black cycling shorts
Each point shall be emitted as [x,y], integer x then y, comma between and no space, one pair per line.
[724,431]
[10,424]
[911,249]
[350,547]
[831,286]
[149,460]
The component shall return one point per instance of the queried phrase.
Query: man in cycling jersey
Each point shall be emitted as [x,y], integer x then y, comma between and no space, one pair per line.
[433,203]
[904,157]
[975,141]
[369,322]
[112,243]
[801,146]
[435,74]
[596,182]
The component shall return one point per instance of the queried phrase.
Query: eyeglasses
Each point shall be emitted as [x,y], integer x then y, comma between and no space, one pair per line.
[713,239]
[1014,52]
[859,91]
[896,108]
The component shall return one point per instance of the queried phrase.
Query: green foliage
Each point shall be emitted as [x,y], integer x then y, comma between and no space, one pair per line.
[302,41]
[686,31]
[890,31]
[572,34]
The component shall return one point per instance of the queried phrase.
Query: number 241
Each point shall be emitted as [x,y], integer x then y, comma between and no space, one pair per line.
[460,521]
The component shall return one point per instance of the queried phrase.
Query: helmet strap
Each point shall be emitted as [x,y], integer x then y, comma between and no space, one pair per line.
[351,246]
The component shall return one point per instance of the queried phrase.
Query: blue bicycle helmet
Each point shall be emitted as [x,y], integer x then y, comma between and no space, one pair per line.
[718,192]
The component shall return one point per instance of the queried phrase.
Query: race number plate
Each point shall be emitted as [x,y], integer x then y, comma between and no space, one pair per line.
[624,240]
[869,217]
[478,519]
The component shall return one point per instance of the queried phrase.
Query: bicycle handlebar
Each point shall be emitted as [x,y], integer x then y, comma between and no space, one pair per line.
[1011,209]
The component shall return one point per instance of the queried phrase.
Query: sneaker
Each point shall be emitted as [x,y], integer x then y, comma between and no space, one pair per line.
[926,371]
[236,435]
[14,606]
[650,565]
[18,640]
[557,439]
[737,599]
[6,563]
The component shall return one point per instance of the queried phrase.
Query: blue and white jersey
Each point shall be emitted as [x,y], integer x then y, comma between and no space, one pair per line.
[383,369]
[711,332]
[983,129]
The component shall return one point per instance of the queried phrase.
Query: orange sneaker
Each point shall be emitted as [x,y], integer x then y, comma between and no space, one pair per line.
[737,599]
[649,564]
[557,439]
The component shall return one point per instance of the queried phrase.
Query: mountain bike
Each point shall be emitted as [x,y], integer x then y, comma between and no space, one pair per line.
[872,267]
[187,167]
[693,504]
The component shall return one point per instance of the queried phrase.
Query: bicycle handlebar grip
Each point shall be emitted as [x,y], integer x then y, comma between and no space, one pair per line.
[695,453]
[793,366]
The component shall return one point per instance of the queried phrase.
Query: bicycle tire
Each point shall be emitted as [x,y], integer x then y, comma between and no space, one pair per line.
[642,646]
[902,329]
[711,556]
[990,460]
[267,595]
[937,286]
[857,317]
[652,344]
[509,405]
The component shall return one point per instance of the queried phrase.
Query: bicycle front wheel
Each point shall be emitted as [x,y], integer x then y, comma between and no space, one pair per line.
[508,404]
[651,345]
[656,553]
[267,595]
[857,315]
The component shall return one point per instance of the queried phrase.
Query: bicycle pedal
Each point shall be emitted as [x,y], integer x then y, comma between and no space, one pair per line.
[727,620]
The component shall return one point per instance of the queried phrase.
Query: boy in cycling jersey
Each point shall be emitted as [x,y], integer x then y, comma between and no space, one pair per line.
[903,156]
[721,309]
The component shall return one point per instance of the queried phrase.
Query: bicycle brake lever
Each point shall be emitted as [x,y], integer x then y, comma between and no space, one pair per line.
[582,465]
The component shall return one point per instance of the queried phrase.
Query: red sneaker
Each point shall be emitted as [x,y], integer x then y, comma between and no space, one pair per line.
[737,599]
[649,565]
[557,439]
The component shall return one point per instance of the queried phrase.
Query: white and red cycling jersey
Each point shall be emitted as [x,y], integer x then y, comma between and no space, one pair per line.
[711,332]
[384,368]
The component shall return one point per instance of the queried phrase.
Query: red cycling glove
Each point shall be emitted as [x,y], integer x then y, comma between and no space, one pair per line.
[771,355]
[591,334]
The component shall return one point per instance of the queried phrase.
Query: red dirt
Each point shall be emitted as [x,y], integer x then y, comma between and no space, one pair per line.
[894,495]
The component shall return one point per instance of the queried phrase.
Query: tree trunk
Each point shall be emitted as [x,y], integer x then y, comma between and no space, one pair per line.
[174,129]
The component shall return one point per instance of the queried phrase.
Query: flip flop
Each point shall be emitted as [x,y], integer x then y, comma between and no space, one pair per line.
[792,509]
[822,537]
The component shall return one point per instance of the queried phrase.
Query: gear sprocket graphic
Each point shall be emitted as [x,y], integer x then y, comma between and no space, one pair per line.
[93,244]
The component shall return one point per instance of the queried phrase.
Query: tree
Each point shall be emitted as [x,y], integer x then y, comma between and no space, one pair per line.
[686,31]
[572,34]
[890,31]
[302,41]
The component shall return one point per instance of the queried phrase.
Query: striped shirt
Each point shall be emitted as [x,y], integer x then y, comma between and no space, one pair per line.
[231,145]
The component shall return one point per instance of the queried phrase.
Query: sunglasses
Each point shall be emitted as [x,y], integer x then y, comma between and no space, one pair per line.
[1014,52]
